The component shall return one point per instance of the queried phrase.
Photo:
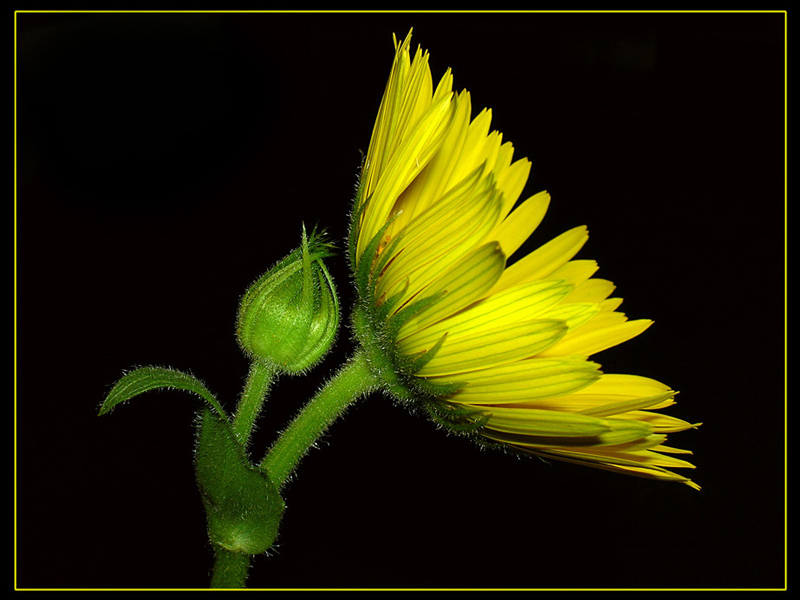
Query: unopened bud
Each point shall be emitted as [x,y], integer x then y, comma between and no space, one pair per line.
[290,315]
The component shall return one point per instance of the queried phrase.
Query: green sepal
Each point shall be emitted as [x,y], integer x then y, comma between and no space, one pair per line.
[243,506]
[363,269]
[383,310]
[364,266]
[388,253]
[428,389]
[145,379]
[415,362]
[402,316]
[457,419]
[355,228]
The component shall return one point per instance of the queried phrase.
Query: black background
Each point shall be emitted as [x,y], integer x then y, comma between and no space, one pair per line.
[166,160]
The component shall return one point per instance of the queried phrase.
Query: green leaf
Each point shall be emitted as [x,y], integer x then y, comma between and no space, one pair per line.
[145,379]
[243,506]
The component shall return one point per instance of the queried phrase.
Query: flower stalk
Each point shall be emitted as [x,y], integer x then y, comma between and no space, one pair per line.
[259,381]
[354,380]
[230,569]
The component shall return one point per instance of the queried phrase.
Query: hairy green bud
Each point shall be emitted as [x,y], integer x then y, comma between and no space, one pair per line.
[290,315]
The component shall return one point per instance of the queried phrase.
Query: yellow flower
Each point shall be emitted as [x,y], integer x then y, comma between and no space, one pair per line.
[497,351]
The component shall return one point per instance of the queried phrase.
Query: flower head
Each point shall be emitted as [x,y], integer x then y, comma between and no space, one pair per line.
[498,351]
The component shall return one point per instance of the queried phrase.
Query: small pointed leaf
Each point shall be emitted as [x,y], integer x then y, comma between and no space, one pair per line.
[145,379]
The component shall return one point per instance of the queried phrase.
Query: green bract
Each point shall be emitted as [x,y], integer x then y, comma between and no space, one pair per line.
[243,506]
[289,316]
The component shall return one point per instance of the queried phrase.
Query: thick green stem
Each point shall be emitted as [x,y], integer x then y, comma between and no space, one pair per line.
[230,569]
[255,390]
[354,380]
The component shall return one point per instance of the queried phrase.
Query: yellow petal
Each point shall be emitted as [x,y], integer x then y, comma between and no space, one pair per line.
[632,459]
[511,180]
[670,450]
[544,260]
[524,380]
[626,385]
[575,271]
[602,320]
[522,427]
[491,150]
[607,409]
[586,343]
[545,423]
[592,290]
[435,179]
[382,132]
[493,347]
[503,163]
[473,153]
[463,284]
[609,304]
[659,422]
[522,303]
[518,226]
[441,236]
[652,441]
[649,472]
[623,392]
[403,165]
[575,315]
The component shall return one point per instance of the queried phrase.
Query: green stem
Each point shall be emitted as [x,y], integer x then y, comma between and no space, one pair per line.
[230,569]
[258,383]
[355,379]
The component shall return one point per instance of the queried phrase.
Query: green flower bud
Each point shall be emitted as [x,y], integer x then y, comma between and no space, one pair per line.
[289,316]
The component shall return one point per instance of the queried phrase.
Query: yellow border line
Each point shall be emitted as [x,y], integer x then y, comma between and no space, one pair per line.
[785,301]
[15,300]
[401,589]
[405,11]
